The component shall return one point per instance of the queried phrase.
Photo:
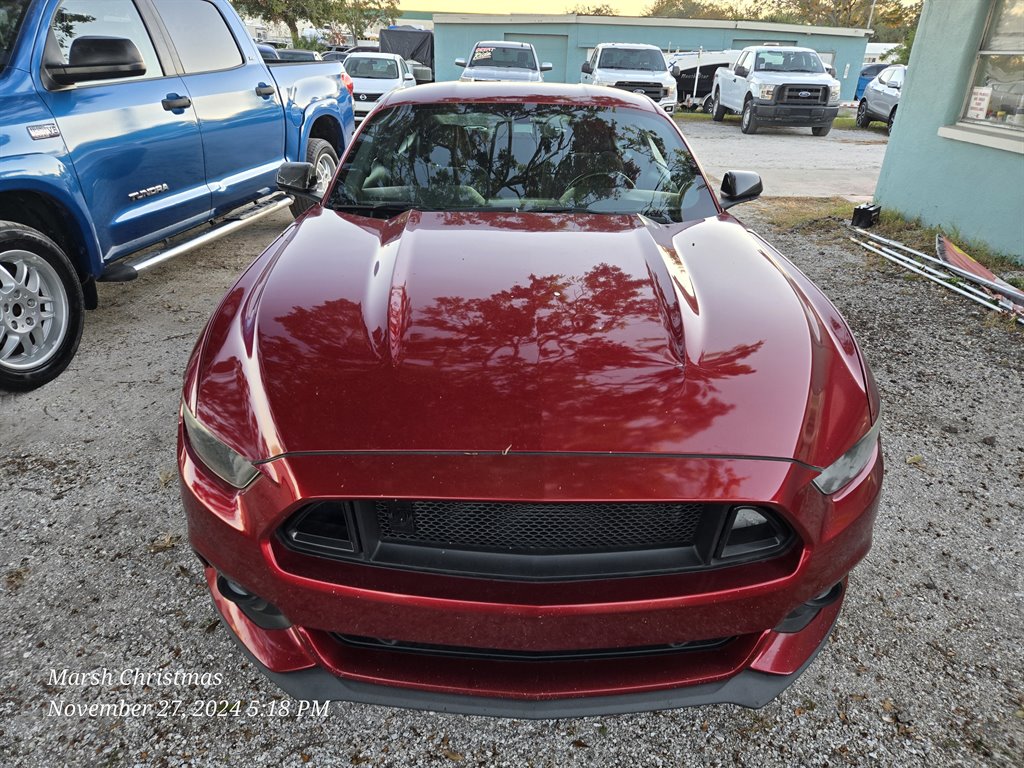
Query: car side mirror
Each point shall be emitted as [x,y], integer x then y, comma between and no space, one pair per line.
[97,58]
[460,62]
[740,187]
[408,76]
[587,68]
[545,66]
[831,70]
[741,71]
[675,71]
[298,179]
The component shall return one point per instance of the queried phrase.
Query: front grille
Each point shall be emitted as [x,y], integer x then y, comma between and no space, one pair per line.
[538,528]
[368,97]
[803,94]
[654,90]
[498,654]
[524,540]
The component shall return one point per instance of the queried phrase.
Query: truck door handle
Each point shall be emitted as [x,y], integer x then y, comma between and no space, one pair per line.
[265,90]
[174,101]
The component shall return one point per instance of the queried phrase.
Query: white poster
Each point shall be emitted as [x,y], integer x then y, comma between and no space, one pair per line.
[978,106]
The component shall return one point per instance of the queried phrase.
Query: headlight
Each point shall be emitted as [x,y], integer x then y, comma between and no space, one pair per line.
[833,93]
[225,463]
[767,92]
[670,90]
[849,465]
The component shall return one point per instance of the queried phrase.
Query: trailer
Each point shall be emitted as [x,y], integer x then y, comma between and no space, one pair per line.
[696,76]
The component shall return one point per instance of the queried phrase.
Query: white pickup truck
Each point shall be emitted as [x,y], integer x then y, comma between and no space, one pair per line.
[777,85]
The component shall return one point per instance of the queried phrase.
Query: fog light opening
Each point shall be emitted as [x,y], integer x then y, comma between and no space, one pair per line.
[323,528]
[263,614]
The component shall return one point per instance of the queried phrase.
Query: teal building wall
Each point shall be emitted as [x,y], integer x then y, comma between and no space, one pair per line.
[565,39]
[965,178]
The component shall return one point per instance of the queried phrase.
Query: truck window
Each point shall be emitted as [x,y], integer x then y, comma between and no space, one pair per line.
[105,18]
[200,35]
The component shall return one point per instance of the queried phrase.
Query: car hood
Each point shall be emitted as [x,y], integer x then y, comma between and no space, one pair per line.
[502,73]
[633,75]
[373,85]
[799,78]
[513,332]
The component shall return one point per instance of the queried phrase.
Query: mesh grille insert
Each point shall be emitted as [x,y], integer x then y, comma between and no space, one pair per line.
[524,527]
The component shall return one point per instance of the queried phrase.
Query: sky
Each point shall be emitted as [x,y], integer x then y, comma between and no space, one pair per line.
[623,7]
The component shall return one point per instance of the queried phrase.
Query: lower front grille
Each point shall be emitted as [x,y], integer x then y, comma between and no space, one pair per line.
[654,90]
[497,654]
[538,528]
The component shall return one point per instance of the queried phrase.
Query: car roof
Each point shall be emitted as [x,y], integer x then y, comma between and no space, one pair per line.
[541,93]
[634,46]
[787,48]
[373,55]
[503,44]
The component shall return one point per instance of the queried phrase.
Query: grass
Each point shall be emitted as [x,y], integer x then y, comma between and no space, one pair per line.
[840,123]
[797,213]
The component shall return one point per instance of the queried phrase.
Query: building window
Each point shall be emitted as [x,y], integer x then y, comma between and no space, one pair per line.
[996,95]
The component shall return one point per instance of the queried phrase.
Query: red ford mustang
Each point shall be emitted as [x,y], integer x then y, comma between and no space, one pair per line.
[520,422]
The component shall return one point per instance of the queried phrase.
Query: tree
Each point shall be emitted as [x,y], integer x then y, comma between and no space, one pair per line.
[692,9]
[592,9]
[358,16]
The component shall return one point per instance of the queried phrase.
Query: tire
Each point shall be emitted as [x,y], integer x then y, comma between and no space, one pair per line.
[748,122]
[708,105]
[889,123]
[717,110]
[863,116]
[42,311]
[321,155]
[821,130]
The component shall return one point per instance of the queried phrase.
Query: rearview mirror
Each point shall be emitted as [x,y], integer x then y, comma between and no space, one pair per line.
[460,62]
[298,179]
[97,58]
[740,187]
[587,69]
[546,66]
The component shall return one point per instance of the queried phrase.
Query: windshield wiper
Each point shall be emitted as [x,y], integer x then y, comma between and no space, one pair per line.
[393,207]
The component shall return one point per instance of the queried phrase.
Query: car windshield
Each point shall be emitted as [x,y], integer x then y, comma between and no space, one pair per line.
[788,61]
[371,68]
[632,58]
[503,56]
[523,157]
[11,14]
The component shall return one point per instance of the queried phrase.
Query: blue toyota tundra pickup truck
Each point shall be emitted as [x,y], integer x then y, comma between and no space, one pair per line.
[123,124]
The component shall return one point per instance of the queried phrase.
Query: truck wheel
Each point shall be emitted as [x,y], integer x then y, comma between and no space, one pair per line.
[863,118]
[821,130]
[707,106]
[41,308]
[321,155]
[748,123]
[717,110]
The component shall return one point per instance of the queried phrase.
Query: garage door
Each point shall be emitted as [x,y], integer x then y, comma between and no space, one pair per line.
[551,48]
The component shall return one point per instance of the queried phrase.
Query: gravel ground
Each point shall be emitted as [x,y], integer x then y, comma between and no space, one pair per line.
[924,668]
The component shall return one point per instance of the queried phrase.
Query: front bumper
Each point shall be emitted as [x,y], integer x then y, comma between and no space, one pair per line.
[782,114]
[235,535]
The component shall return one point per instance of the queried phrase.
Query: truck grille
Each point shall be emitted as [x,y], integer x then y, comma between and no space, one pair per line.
[803,94]
[526,528]
[653,90]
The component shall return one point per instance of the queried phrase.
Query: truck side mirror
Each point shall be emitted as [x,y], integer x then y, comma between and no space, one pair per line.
[460,62]
[97,58]
[830,69]
[675,71]
[298,179]
[545,66]
[740,187]
[587,68]
[741,71]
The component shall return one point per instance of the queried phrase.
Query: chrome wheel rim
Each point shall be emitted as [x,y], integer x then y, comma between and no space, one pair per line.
[34,310]
[325,167]
[746,117]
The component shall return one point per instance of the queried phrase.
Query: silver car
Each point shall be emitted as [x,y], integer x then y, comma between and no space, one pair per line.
[881,97]
[503,60]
